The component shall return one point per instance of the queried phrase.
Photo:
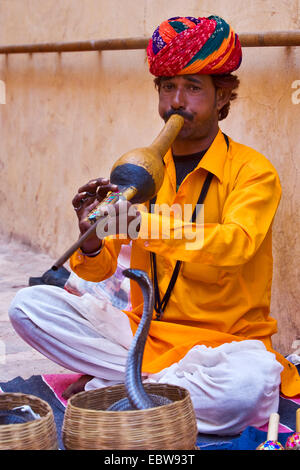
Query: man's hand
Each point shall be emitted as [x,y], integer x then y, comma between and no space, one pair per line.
[120,214]
[86,199]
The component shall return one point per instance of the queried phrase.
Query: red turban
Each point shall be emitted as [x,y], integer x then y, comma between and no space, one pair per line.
[187,45]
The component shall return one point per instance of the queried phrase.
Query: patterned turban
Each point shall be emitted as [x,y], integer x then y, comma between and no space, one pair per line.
[187,45]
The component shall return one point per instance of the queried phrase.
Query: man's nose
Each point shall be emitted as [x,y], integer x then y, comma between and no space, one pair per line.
[178,99]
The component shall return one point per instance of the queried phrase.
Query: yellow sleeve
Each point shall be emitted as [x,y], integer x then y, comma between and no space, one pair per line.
[247,216]
[100,267]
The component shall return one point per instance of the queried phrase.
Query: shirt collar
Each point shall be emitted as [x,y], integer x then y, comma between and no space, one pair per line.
[213,160]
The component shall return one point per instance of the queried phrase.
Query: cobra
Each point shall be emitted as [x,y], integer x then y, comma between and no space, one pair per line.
[137,398]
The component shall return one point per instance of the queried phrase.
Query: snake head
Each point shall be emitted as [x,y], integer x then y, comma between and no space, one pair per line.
[141,277]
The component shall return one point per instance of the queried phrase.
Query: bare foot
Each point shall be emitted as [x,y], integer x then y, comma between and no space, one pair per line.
[76,387]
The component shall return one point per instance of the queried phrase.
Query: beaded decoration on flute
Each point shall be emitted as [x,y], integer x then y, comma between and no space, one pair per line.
[110,198]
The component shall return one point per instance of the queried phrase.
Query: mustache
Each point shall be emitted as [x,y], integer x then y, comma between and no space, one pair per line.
[185,114]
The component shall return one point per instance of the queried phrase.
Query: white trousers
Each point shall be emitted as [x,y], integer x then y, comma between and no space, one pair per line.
[231,386]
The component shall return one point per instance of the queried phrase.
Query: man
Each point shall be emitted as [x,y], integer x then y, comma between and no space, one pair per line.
[214,331]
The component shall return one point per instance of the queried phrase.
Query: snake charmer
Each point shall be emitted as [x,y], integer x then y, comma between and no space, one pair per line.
[211,329]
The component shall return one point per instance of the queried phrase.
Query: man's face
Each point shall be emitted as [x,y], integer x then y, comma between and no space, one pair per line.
[195,98]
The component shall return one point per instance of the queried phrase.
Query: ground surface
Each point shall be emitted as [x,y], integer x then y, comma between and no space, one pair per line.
[17,263]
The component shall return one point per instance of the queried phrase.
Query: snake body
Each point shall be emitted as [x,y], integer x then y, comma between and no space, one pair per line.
[137,398]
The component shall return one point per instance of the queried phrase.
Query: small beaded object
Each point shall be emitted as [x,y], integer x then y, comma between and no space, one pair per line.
[271,443]
[293,441]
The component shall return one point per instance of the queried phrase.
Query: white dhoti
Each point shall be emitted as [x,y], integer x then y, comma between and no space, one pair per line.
[231,386]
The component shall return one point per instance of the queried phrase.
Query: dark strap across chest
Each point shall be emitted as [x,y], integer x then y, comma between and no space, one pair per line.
[160,304]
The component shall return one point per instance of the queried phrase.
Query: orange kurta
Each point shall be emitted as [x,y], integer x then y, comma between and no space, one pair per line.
[223,290]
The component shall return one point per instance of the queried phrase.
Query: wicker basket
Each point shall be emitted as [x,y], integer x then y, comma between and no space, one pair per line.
[88,426]
[39,434]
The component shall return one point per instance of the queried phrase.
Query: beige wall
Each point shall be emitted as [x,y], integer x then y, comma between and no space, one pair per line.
[68,116]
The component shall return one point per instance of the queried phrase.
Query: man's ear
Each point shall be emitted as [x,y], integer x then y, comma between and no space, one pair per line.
[222,97]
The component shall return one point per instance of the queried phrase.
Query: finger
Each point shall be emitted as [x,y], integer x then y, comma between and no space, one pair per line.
[83,214]
[86,209]
[104,189]
[81,199]
[92,185]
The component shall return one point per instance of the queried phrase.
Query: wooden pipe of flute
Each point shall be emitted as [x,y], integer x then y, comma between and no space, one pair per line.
[138,174]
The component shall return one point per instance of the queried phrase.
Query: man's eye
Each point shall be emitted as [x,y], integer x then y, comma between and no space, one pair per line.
[167,86]
[194,88]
